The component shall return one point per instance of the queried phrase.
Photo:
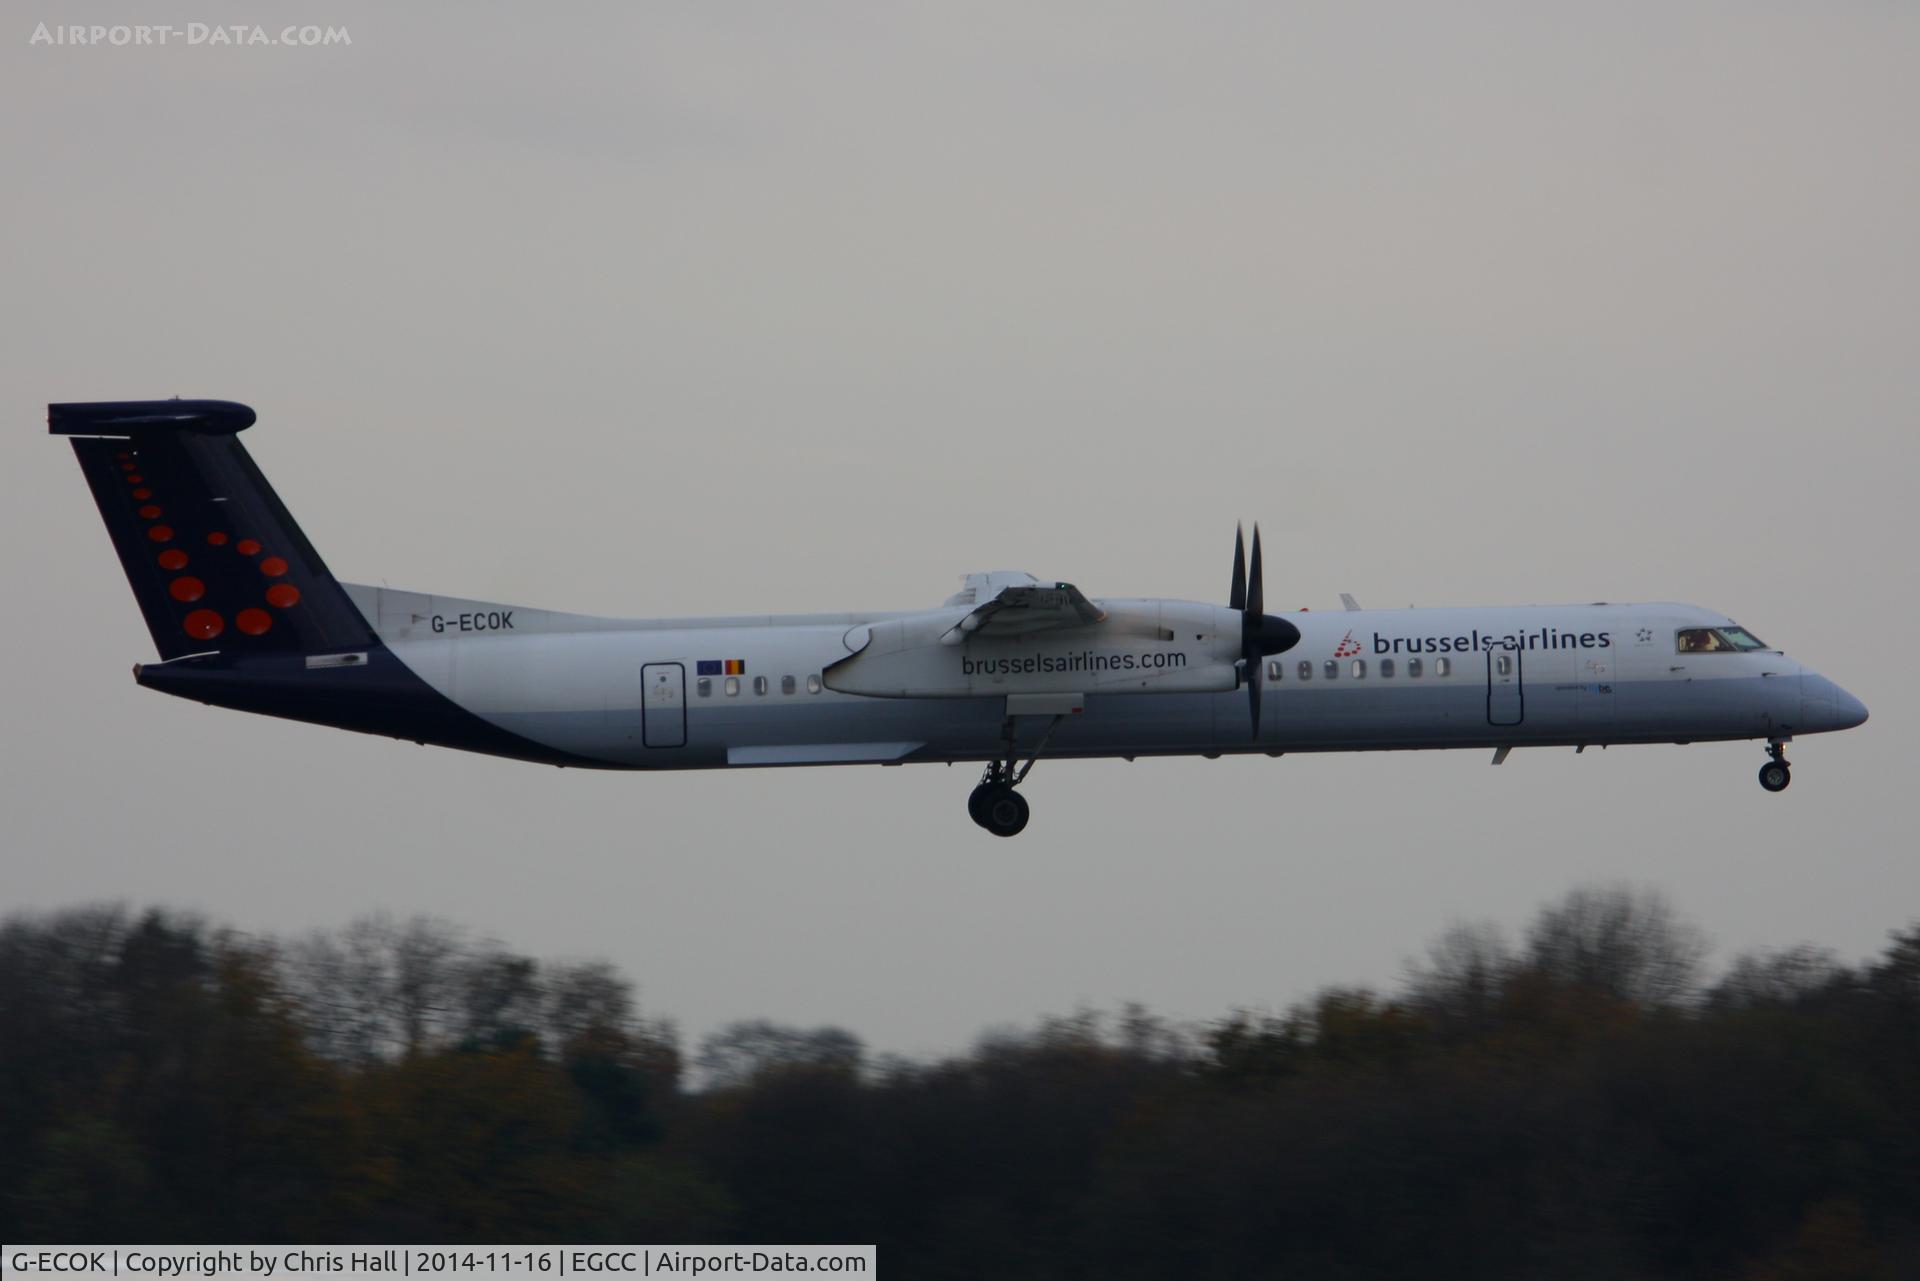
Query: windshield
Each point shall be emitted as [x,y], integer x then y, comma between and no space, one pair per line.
[1716,640]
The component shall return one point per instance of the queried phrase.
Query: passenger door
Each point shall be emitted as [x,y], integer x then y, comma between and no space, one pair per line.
[663,705]
[1506,698]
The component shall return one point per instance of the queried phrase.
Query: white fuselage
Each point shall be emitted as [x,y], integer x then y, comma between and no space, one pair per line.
[850,688]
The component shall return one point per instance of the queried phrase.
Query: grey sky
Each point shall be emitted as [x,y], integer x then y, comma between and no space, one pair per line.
[687,309]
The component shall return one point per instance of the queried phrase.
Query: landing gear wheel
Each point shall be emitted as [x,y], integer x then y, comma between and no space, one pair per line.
[977,803]
[1774,776]
[1003,811]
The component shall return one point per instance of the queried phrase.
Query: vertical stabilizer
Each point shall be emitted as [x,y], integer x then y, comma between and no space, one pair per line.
[214,559]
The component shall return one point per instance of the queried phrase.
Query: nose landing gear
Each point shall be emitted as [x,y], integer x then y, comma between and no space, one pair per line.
[1776,773]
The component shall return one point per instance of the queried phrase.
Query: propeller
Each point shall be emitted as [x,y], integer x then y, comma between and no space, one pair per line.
[1261,633]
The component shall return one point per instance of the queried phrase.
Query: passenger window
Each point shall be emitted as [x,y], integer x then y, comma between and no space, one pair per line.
[786,684]
[704,686]
[1274,668]
[1413,668]
[813,684]
[1333,669]
[1306,669]
[1504,664]
[1443,667]
[759,684]
[1386,668]
[1359,669]
[733,686]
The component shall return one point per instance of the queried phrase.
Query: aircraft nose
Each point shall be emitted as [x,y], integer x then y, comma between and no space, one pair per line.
[1826,706]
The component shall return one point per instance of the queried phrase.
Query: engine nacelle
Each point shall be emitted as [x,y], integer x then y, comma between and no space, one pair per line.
[1141,647]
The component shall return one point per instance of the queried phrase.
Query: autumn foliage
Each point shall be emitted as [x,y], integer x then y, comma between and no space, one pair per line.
[1580,1104]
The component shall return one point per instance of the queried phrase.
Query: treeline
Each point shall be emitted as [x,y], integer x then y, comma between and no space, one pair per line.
[1579,1104]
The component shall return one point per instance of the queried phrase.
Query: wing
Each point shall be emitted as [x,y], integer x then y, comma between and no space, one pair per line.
[1023,608]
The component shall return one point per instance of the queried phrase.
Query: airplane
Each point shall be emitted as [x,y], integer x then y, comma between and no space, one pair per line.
[1011,668]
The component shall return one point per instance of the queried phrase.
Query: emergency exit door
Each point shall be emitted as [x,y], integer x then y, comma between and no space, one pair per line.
[1506,698]
[663,705]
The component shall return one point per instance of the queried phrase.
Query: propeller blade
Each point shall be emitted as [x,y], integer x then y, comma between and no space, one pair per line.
[1237,594]
[1256,596]
[1253,690]
[1260,633]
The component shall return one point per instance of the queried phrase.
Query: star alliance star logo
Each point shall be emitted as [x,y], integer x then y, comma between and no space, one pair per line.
[1644,635]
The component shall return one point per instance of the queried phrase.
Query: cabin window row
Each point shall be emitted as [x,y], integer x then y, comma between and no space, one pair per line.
[731,687]
[1357,669]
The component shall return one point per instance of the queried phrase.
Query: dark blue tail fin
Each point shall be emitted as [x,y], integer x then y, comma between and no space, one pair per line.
[213,557]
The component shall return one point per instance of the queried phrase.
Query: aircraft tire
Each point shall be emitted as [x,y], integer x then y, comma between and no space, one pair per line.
[977,804]
[1774,776]
[1003,811]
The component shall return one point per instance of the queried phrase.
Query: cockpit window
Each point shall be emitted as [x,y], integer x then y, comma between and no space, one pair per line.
[1716,640]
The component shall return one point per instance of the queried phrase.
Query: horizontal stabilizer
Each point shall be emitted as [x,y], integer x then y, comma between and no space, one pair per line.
[133,419]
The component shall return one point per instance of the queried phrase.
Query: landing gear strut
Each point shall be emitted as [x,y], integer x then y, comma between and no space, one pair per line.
[994,804]
[1776,773]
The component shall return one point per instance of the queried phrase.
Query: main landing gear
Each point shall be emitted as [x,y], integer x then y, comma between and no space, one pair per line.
[1776,773]
[994,804]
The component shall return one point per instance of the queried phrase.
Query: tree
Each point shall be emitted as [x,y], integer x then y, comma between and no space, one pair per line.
[585,999]
[1464,979]
[1623,943]
[497,995]
[1785,977]
[378,987]
[741,1052]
